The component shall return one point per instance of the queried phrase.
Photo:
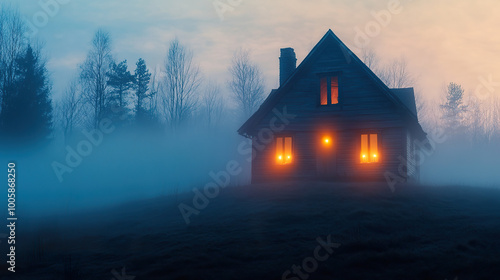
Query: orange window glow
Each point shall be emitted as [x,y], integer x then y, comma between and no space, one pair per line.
[364,148]
[369,148]
[284,150]
[329,90]
[324,91]
[335,90]
[373,148]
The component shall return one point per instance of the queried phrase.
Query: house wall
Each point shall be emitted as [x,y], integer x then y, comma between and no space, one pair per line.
[413,168]
[347,153]
[363,108]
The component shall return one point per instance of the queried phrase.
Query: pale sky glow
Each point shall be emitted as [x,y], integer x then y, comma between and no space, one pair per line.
[442,41]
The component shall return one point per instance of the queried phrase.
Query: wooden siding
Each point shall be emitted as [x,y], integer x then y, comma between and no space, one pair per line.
[363,108]
[413,168]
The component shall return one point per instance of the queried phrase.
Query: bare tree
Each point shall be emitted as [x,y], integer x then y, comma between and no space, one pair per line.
[482,118]
[12,45]
[370,58]
[491,117]
[213,104]
[155,98]
[423,107]
[474,118]
[396,74]
[431,117]
[246,84]
[70,109]
[181,80]
[496,116]
[93,75]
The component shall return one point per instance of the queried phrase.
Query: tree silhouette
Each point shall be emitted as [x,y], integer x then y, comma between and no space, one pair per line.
[27,110]
[12,46]
[180,84]
[70,109]
[94,75]
[212,104]
[454,108]
[246,84]
[120,82]
[141,85]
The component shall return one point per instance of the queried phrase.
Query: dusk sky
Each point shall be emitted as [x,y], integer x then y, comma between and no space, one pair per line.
[333,176]
[443,41]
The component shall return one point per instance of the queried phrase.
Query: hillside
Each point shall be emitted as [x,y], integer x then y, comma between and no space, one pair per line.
[261,231]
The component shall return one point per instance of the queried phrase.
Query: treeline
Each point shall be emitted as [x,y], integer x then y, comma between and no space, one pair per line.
[105,89]
[175,95]
[172,97]
[178,94]
[472,115]
[25,106]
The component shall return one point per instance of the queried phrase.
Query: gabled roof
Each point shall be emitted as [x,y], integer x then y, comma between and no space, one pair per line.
[407,97]
[398,96]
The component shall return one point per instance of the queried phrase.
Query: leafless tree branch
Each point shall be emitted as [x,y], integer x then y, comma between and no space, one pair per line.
[246,84]
[181,80]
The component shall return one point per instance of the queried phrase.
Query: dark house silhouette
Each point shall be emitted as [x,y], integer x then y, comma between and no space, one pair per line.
[332,118]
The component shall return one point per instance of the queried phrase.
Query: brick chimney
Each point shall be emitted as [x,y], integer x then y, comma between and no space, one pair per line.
[288,63]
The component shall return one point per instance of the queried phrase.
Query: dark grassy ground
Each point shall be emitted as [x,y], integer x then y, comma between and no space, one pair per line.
[259,232]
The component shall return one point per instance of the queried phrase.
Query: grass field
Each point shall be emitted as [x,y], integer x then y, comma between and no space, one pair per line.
[261,231]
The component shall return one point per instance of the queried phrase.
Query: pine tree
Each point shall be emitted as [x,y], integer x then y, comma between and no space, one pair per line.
[454,108]
[141,84]
[27,111]
[121,82]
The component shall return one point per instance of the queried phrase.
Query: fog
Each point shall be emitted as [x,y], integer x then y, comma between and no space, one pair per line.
[132,165]
[460,162]
[127,165]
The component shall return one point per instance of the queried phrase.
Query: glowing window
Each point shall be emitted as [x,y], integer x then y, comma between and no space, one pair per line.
[329,90]
[334,90]
[324,91]
[284,150]
[369,148]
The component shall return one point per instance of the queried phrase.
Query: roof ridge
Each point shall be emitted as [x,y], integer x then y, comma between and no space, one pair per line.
[349,54]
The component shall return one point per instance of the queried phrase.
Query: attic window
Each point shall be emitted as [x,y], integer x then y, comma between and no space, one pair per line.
[284,150]
[329,92]
[369,148]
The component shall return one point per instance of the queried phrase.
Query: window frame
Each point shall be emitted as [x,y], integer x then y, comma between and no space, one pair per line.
[283,147]
[360,146]
[328,76]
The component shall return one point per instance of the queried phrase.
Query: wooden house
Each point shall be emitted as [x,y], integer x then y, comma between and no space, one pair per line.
[332,118]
